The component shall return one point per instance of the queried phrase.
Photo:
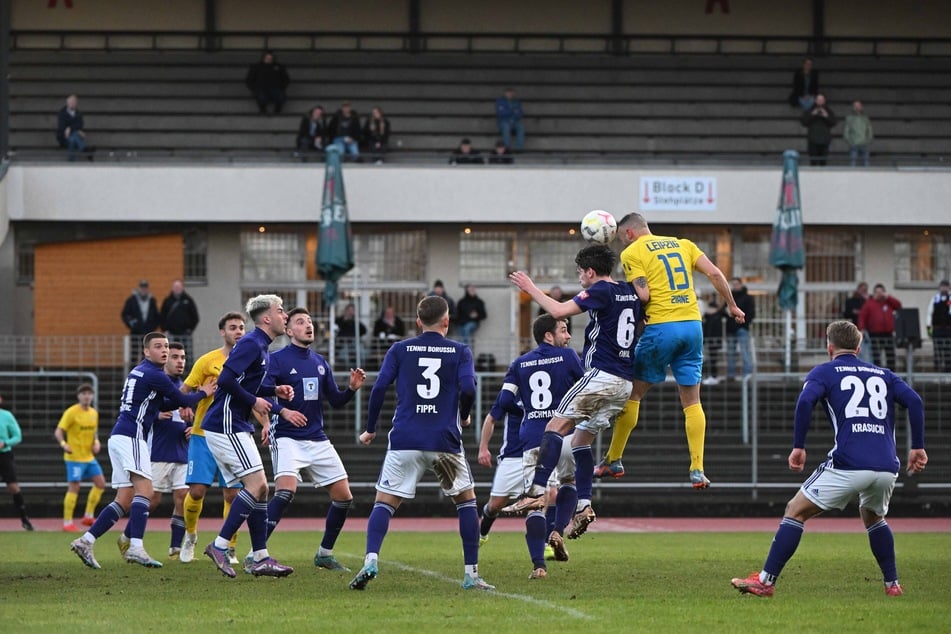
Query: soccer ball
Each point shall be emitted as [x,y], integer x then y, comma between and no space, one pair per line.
[598,226]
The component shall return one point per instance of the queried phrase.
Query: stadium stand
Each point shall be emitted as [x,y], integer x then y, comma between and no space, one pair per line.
[657,108]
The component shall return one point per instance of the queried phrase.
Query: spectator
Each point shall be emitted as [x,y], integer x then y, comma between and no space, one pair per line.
[470,311]
[501,155]
[855,302]
[877,316]
[465,154]
[10,436]
[738,335]
[345,130]
[140,313]
[179,317]
[858,134]
[70,133]
[712,337]
[312,132]
[508,116]
[805,86]
[559,296]
[439,290]
[376,133]
[267,80]
[350,334]
[387,330]
[939,327]
[851,312]
[818,122]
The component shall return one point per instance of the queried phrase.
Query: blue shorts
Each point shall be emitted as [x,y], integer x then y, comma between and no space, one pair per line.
[202,468]
[79,471]
[678,344]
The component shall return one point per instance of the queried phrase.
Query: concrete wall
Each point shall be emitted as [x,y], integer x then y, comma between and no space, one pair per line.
[261,194]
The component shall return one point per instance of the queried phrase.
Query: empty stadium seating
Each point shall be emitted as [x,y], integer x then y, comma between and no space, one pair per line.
[658,108]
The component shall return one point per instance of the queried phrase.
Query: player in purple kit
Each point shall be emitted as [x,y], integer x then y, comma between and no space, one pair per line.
[859,399]
[541,378]
[229,431]
[296,433]
[614,311]
[147,390]
[507,481]
[435,390]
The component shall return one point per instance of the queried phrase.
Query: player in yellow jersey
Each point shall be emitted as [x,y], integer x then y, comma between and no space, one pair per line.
[202,468]
[78,435]
[661,270]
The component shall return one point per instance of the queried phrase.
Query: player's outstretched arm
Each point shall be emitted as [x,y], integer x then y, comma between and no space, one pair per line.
[719,281]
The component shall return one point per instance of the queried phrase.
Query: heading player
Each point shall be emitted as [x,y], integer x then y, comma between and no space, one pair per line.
[661,270]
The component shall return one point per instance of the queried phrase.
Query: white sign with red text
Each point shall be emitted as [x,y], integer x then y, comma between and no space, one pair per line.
[678,193]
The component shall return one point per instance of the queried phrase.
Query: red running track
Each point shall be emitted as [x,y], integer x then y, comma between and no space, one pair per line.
[603,525]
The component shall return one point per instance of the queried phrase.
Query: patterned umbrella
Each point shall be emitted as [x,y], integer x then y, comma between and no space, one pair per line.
[786,250]
[335,241]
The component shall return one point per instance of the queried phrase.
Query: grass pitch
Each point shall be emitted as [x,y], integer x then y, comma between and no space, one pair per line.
[636,582]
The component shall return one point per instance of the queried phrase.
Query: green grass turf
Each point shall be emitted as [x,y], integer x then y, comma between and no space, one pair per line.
[658,582]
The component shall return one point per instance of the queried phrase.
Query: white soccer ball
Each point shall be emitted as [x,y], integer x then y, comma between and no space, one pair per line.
[598,226]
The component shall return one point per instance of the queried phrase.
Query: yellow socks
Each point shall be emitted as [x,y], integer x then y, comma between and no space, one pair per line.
[623,426]
[695,424]
[192,512]
[69,507]
[95,494]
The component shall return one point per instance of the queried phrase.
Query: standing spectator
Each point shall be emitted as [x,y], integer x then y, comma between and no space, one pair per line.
[439,290]
[312,132]
[939,327]
[508,116]
[350,334]
[851,312]
[805,86]
[877,316]
[78,435]
[862,464]
[501,155]
[11,436]
[818,121]
[465,154]
[179,316]
[855,302]
[376,133]
[345,130]
[70,133]
[738,335]
[267,80]
[713,319]
[141,316]
[470,311]
[858,134]
[387,330]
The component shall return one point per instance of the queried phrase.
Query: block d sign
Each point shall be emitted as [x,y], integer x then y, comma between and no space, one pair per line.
[678,193]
